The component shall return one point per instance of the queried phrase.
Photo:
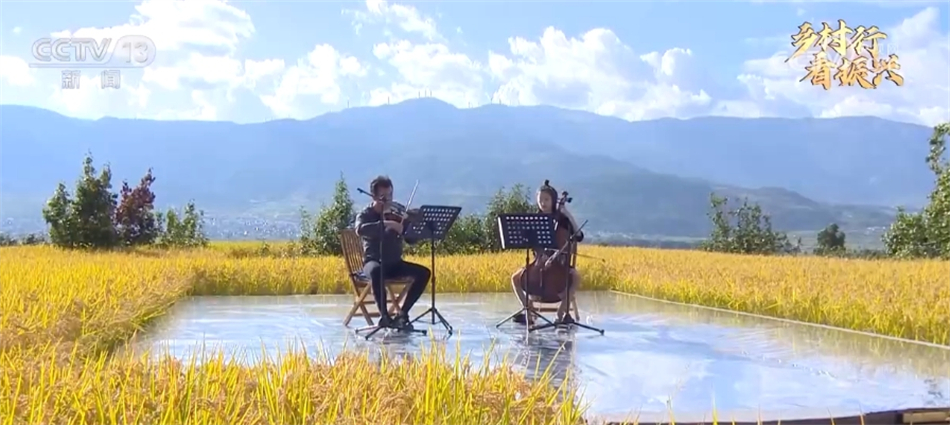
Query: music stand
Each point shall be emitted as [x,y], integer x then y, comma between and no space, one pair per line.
[533,233]
[435,224]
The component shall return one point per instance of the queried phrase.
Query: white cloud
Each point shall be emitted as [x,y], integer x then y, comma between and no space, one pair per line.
[202,74]
[429,68]
[194,76]
[597,72]
[407,18]
[318,74]
[16,30]
[174,26]
[15,71]
[924,55]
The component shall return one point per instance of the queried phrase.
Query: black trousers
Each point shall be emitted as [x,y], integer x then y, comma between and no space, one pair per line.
[419,274]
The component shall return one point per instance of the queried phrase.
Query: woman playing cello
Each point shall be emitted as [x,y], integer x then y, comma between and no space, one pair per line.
[547,199]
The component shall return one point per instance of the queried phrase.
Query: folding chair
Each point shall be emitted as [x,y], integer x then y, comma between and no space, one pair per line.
[362,285]
[540,305]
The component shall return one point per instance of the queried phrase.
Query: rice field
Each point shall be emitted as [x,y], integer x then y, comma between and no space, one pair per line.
[62,314]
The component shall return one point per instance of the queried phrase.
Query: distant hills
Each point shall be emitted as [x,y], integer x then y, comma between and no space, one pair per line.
[643,178]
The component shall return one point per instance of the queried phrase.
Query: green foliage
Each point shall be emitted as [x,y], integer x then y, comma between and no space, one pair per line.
[30,239]
[321,236]
[85,221]
[59,217]
[470,234]
[515,200]
[831,241]
[94,218]
[745,230]
[467,236]
[185,230]
[926,234]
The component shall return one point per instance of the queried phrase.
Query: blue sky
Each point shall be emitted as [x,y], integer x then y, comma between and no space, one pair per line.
[254,61]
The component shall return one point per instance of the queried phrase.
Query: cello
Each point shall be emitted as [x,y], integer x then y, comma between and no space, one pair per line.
[548,276]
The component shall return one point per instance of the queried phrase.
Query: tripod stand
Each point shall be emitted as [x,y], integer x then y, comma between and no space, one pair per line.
[559,325]
[436,221]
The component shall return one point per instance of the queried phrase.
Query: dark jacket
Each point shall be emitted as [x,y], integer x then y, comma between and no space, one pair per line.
[369,224]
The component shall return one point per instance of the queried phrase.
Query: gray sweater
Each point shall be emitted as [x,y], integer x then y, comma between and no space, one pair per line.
[369,223]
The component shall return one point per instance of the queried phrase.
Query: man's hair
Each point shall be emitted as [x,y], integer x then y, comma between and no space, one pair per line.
[379,182]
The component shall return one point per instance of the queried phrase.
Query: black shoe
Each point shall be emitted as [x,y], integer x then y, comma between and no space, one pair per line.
[520,319]
[402,323]
[385,321]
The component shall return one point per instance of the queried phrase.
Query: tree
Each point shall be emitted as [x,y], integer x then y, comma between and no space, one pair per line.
[135,217]
[59,217]
[7,240]
[185,231]
[325,236]
[926,234]
[513,201]
[720,239]
[752,232]
[831,241]
[85,221]
[466,236]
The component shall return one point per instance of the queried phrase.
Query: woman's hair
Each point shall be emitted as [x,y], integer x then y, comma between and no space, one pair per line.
[551,191]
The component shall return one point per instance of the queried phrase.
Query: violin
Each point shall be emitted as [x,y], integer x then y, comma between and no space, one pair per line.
[548,275]
[400,213]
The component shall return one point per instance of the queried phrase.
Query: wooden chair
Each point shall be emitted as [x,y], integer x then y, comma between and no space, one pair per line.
[362,285]
[550,306]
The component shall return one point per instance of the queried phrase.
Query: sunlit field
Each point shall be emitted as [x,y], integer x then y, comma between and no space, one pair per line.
[62,313]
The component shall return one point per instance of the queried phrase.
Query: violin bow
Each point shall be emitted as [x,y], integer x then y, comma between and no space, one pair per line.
[411,195]
[576,232]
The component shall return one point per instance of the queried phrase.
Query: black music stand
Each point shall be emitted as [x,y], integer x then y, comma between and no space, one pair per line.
[435,224]
[533,233]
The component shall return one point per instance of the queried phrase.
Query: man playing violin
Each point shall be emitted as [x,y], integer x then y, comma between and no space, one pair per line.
[547,201]
[373,226]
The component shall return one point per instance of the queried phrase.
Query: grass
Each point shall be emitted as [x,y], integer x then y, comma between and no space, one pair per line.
[63,314]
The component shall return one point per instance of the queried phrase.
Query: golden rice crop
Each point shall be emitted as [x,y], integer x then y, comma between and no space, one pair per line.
[907,299]
[61,312]
[293,389]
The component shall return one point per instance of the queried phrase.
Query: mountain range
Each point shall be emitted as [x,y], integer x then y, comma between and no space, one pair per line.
[642,178]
